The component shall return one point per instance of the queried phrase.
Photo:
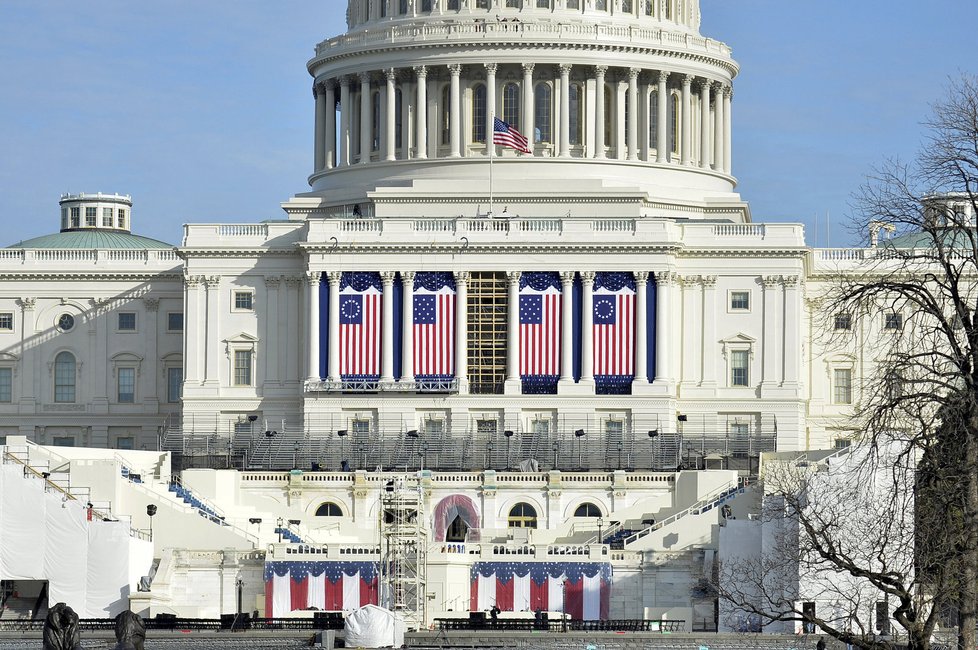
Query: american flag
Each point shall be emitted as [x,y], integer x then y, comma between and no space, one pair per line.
[507,136]
[360,320]
[434,333]
[540,332]
[614,332]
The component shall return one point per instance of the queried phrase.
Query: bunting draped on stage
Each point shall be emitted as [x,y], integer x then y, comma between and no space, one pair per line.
[614,332]
[582,589]
[434,325]
[540,318]
[360,325]
[326,586]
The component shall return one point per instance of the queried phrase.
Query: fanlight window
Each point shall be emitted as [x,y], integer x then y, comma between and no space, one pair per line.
[329,509]
[522,515]
[479,114]
[587,510]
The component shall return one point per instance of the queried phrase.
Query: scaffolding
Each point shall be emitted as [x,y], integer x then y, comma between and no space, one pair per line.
[404,551]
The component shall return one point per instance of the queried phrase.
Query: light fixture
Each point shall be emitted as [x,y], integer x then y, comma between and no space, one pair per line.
[579,433]
[508,433]
[252,417]
[683,418]
[653,433]
[295,522]
[413,433]
[342,433]
[254,520]
[46,475]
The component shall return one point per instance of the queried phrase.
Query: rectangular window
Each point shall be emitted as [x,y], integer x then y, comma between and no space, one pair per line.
[121,214]
[242,367]
[174,321]
[893,321]
[739,439]
[127,442]
[540,427]
[843,320]
[64,218]
[486,427]
[740,368]
[174,385]
[244,300]
[90,216]
[75,217]
[127,321]
[842,443]
[436,427]
[127,385]
[740,300]
[842,386]
[360,427]
[63,441]
[614,427]
[6,321]
[107,217]
[6,385]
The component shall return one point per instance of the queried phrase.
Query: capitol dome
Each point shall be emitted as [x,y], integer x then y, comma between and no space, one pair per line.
[405,102]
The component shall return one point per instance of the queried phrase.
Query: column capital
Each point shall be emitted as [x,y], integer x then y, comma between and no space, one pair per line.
[191,281]
[587,277]
[528,68]
[292,280]
[27,303]
[770,281]
[708,281]
[718,87]
[390,74]
[151,304]
[345,81]
[212,281]
[662,77]
[705,83]
[688,80]
[407,278]
[462,277]
[641,277]
[421,71]
[365,77]
[273,281]
[313,278]
[334,277]
[666,277]
[513,277]
[727,90]
[455,69]
[317,89]
[567,277]
[790,281]
[565,68]
[633,73]
[491,68]
[600,70]
[387,278]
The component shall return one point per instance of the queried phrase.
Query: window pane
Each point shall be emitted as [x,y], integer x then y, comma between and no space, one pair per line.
[894,321]
[6,321]
[614,427]
[511,105]
[843,321]
[174,321]
[107,217]
[242,368]
[540,426]
[740,300]
[479,114]
[174,385]
[243,300]
[575,114]
[842,386]
[127,385]
[127,321]
[739,368]
[543,118]
[6,384]
[64,378]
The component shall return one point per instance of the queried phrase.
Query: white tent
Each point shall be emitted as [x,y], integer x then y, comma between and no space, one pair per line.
[374,627]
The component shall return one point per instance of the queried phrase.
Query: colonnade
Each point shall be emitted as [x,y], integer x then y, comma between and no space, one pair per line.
[663,334]
[419,113]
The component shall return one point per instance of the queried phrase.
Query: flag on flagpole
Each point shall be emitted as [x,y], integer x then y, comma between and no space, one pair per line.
[507,136]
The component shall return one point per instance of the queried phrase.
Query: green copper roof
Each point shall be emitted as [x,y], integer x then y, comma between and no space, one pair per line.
[93,240]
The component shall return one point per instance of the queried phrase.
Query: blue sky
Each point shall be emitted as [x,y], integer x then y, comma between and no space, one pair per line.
[203,110]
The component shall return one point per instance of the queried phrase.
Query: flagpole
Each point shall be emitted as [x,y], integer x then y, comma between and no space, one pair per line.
[490,137]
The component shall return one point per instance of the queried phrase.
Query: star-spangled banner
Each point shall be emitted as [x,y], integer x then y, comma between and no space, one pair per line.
[323,586]
[540,319]
[360,325]
[613,326]
[581,589]
[434,325]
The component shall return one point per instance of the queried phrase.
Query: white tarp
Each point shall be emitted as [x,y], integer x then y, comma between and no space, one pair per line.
[374,627]
[22,553]
[66,553]
[108,569]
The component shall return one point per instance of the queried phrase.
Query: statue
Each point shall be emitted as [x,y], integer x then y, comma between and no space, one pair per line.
[130,631]
[61,629]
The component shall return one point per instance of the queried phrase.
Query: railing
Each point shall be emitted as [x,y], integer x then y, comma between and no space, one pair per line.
[243,230]
[374,386]
[739,230]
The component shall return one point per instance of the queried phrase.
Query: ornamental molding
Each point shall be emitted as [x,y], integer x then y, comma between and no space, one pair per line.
[66,276]
[27,304]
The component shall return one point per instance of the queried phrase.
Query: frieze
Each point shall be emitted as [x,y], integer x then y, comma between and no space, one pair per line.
[64,408]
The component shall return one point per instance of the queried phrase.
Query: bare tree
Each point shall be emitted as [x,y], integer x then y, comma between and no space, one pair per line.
[915,295]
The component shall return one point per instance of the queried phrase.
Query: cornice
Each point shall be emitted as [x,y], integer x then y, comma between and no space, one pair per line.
[67,275]
[236,253]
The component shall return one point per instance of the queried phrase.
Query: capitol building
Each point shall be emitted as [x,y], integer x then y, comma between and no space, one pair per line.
[453,374]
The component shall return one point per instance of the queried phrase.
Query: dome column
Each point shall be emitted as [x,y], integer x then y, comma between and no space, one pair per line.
[663,329]
[345,109]
[330,125]
[455,111]
[565,70]
[490,105]
[587,327]
[686,145]
[599,116]
[718,136]
[366,118]
[633,113]
[705,124]
[390,133]
[421,108]
[727,131]
[528,113]
[661,132]
[333,277]
[641,327]
[319,153]
[513,386]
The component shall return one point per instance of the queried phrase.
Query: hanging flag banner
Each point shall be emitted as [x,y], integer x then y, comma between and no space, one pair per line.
[581,589]
[360,325]
[325,586]
[540,318]
[613,329]
[434,325]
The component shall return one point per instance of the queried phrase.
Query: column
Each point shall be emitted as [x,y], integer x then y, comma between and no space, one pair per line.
[769,341]
[791,376]
[212,373]
[641,327]
[455,111]
[663,330]
[334,324]
[366,119]
[407,93]
[272,285]
[529,125]
[28,352]
[387,327]
[727,130]
[192,321]
[704,124]
[662,122]
[462,330]
[709,343]
[390,133]
[330,146]
[407,328]
[718,127]
[567,327]
[565,70]
[687,121]
[513,333]
[633,112]
[587,327]
[313,279]
[599,116]
[490,105]
[645,123]
[319,149]
[421,143]
[345,108]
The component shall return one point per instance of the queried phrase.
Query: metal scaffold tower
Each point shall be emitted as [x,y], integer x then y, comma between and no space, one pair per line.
[404,551]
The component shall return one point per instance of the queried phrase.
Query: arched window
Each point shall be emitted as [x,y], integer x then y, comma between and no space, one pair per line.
[482,4]
[654,119]
[479,113]
[609,116]
[649,7]
[329,509]
[587,510]
[543,4]
[543,117]
[601,5]
[446,116]
[402,7]
[457,530]
[426,5]
[511,104]
[674,125]
[626,6]
[454,5]
[513,4]
[398,118]
[383,8]
[64,378]
[375,121]
[522,515]
[576,123]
